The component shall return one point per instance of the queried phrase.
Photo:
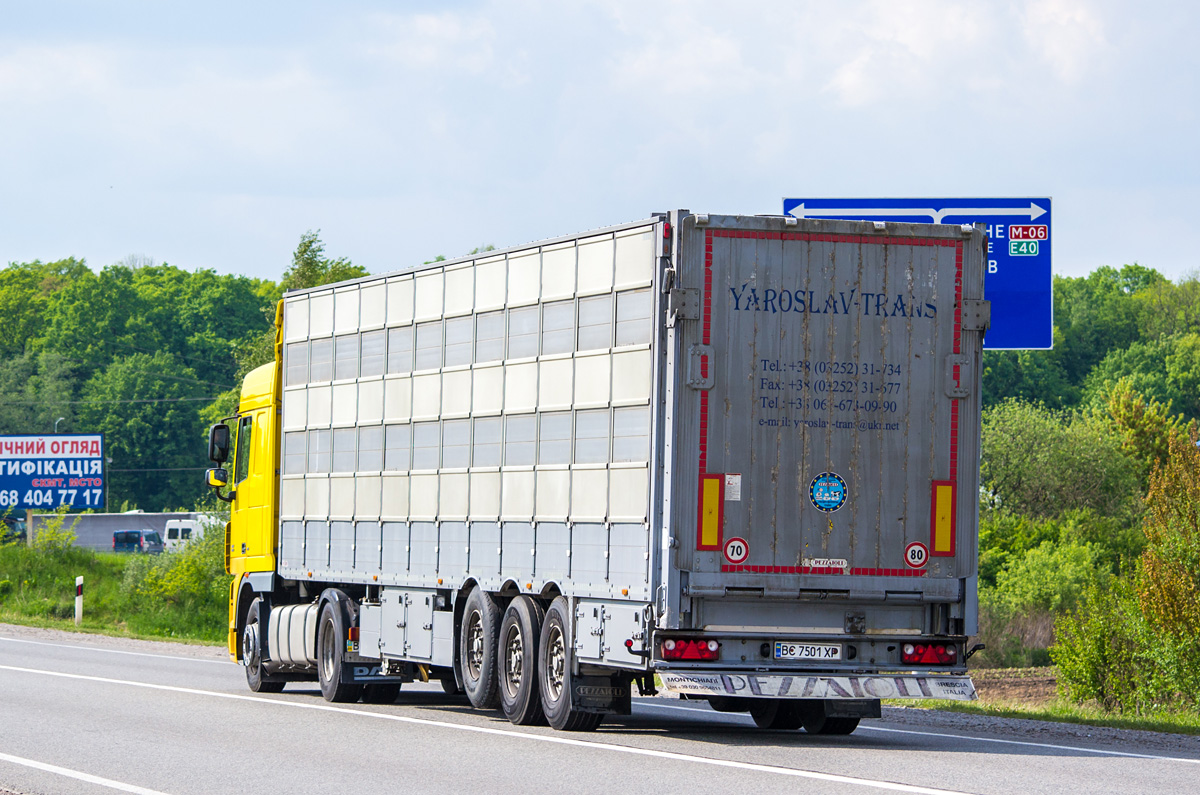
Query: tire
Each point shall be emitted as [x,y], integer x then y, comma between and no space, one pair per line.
[330,635]
[554,673]
[477,649]
[257,678]
[450,686]
[777,713]
[816,723]
[380,694]
[730,704]
[520,634]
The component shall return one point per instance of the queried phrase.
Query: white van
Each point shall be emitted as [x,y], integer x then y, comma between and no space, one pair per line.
[179,531]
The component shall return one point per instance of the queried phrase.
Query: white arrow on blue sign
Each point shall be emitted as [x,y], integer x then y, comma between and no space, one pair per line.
[1019,277]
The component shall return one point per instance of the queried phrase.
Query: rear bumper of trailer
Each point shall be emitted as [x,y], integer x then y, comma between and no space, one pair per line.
[822,686]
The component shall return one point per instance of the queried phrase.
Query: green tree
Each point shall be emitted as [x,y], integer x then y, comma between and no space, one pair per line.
[1033,376]
[35,390]
[1169,591]
[311,268]
[1097,314]
[1042,463]
[1146,426]
[146,408]
[25,293]
[1168,309]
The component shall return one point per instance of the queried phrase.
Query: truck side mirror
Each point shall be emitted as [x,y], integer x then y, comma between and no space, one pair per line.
[217,479]
[218,443]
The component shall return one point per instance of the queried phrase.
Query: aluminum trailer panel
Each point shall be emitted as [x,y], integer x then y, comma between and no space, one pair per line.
[826,426]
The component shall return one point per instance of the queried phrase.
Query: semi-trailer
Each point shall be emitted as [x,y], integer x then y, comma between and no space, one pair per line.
[729,457]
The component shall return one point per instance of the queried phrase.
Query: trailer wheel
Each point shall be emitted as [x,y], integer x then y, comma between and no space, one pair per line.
[477,649]
[520,632]
[816,723]
[257,678]
[331,636]
[554,673]
[380,694]
[777,713]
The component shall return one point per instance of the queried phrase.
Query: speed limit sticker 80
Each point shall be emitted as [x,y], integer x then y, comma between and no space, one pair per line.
[916,555]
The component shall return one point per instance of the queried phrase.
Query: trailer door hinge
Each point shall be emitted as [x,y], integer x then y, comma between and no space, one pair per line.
[684,304]
[957,383]
[976,315]
[701,367]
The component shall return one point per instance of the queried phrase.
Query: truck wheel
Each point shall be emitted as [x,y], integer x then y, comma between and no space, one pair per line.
[817,723]
[331,636]
[450,685]
[520,632]
[730,704]
[554,673]
[258,679]
[477,649]
[777,713]
[380,694]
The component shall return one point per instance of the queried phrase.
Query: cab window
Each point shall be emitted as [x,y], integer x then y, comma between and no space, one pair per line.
[242,456]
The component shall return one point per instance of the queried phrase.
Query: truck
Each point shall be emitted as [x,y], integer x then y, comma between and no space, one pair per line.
[733,458]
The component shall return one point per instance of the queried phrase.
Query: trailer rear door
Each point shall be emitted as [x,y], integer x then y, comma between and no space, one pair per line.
[831,407]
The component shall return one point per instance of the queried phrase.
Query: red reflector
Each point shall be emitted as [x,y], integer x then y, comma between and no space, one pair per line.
[354,634]
[928,655]
[688,649]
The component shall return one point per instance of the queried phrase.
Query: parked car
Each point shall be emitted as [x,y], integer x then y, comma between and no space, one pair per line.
[12,530]
[145,541]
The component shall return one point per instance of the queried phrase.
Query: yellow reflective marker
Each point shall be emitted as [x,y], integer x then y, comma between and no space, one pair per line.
[710,511]
[943,518]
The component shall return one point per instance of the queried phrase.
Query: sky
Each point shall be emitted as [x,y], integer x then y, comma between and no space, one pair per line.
[213,135]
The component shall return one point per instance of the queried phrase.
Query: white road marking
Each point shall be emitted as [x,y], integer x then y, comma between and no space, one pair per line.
[514,734]
[112,651]
[75,774]
[1027,743]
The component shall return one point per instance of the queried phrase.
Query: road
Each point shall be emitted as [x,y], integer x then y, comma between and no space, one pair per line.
[81,714]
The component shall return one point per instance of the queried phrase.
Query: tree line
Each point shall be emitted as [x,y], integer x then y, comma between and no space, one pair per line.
[1088,506]
[147,354]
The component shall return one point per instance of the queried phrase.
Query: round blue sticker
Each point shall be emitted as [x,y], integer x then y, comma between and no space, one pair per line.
[827,492]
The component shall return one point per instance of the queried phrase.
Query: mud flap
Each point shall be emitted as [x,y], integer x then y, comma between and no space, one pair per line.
[370,672]
[850,708]
[601,694]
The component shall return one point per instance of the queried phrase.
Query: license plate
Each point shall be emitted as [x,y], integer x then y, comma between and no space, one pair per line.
[806,651]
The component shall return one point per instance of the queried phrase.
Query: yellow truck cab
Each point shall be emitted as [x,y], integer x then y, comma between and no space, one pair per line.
[255,486]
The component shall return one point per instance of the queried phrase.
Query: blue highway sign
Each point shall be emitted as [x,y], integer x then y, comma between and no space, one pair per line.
[1018,281]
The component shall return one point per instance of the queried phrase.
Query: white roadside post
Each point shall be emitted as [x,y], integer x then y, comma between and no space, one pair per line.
[78,600]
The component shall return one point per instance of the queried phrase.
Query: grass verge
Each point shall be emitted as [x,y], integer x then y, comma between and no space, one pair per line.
[123,595]
[1059,710]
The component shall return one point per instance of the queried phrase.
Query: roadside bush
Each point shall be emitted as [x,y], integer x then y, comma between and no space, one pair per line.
[53,537]
[1135,646]
[194,573]
[1098,648]
[1016,615]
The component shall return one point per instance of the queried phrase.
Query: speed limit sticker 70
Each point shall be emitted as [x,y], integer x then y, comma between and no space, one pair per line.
[916,555]
[737,550]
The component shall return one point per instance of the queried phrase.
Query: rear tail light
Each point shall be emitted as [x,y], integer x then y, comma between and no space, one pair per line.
[690,649]
[928,653]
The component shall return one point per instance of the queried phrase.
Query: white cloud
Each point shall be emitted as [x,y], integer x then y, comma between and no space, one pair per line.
[1066,34]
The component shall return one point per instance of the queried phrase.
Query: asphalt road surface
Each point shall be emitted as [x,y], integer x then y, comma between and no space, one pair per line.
[84,714]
